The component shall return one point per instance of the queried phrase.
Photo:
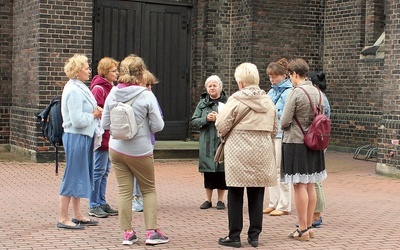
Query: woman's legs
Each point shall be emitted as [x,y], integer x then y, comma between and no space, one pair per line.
[235,212]
[312,201]
[320,206]
[305,198]
[255,197]
[124,178]
[209,194]
[221,193]
[64,205]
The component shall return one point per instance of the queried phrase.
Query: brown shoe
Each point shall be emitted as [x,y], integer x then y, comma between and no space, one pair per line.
[268,210]
[278,213]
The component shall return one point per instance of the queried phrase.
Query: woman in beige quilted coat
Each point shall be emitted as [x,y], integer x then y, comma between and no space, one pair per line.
[249,153]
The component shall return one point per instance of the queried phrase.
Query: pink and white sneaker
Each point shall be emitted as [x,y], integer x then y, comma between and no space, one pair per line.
[154,237]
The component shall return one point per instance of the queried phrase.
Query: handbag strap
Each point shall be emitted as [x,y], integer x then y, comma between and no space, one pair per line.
[236,122]
[312,106]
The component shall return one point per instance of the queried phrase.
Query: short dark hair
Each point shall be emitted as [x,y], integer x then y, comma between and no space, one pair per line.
[318,79]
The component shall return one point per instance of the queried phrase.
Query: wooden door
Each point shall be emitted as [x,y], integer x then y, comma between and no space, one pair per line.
[159,34]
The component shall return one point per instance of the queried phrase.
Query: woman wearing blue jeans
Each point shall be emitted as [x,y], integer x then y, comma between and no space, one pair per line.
[101,86]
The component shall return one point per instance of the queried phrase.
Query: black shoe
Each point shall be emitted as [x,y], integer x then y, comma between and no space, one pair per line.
[206,205]
[98,212]
[106,208]
[220,205]
[253,242]
[77,226]
[86,223]
[229,242]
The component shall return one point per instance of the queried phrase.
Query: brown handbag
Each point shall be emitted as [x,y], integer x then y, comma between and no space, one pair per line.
[219,153]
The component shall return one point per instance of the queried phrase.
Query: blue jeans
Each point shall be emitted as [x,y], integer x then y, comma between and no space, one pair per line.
[102,165]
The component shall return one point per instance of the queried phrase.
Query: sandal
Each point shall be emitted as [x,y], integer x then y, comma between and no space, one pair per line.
[301,235]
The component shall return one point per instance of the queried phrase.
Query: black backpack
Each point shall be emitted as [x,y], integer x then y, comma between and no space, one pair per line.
[51,125]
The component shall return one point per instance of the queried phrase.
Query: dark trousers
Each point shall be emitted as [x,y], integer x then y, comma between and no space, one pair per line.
[255,197]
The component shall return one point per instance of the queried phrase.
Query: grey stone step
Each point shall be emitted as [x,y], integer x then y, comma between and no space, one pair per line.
[176,150]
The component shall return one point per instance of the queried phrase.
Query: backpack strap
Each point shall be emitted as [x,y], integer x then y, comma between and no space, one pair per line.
[131,101]
[312,105]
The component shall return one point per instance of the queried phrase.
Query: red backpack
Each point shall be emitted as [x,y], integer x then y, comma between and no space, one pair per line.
[318,134]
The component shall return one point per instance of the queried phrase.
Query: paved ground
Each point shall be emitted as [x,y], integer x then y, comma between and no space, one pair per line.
[362,211]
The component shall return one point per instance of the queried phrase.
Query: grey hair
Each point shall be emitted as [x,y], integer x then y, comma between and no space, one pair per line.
[214,78]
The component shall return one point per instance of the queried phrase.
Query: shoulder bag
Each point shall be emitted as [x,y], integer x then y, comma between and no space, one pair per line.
[219,153]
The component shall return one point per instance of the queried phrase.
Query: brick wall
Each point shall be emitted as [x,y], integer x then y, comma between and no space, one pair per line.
[227,33]
[329,34]
[287,29]
[354,85]
[389,128]
[45,35]
[6,40]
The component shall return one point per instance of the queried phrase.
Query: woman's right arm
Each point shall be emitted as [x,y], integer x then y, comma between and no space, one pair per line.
[197,119]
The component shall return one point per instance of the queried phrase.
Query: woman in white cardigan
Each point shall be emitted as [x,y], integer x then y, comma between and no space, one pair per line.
[79,111]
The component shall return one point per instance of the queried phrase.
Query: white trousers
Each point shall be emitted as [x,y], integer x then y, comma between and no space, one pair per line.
[280,196]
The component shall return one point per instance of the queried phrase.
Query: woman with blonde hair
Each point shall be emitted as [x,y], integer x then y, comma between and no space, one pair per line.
[134,157]
[148,80]
[249,159]
[79,111]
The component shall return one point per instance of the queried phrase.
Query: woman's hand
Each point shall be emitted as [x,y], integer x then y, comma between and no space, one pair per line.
[211,117]
[98,111]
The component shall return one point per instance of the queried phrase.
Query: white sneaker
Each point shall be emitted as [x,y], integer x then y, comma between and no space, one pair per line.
[137,204]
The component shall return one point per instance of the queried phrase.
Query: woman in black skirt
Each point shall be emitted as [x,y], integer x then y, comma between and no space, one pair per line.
[301,166]
[204,118]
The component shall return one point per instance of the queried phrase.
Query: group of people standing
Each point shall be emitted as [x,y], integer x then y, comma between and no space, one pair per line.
[90,151]
[263,147]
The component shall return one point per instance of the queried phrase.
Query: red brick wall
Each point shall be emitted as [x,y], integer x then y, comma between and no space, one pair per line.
[329,34]
[45,35]
[227,34]
[389,126]
[6,39]
[354,85]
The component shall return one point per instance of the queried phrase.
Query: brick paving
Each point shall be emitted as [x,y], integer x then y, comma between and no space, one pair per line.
[362,211]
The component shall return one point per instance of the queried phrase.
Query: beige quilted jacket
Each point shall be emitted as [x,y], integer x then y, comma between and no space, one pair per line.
[249,149]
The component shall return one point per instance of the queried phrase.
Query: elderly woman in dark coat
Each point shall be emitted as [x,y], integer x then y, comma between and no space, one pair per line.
[204,118]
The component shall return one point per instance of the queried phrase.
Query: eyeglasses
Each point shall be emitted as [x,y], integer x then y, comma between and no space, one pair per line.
[291,73]
[113,71]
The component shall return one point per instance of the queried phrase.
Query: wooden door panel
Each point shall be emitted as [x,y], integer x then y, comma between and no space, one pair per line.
[116,30]
[166,55]
[159,34]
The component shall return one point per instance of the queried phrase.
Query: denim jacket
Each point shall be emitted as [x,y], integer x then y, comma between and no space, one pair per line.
[278,94]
